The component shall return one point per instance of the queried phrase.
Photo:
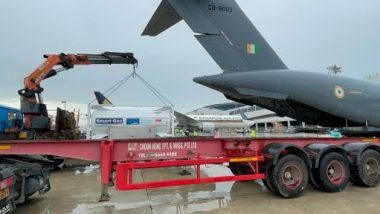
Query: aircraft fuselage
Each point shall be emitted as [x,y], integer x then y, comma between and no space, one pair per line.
[317,98]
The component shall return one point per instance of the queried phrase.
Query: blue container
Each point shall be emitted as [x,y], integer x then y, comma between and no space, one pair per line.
[9,117]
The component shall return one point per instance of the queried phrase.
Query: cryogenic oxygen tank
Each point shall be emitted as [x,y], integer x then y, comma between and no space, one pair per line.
[131,122]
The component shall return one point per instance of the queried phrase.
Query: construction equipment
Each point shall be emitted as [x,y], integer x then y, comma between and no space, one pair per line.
[23,175]
[10,122]
[35,113]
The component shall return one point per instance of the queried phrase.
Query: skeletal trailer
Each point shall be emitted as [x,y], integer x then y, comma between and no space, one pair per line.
[286,165]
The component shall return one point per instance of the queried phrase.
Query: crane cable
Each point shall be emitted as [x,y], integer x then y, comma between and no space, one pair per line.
[115,87]
[134,74]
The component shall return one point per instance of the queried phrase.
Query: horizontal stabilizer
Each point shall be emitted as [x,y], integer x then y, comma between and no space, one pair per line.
[164,17]
[195,14]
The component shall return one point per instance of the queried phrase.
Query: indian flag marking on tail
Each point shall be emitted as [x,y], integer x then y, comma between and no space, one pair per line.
[252,49]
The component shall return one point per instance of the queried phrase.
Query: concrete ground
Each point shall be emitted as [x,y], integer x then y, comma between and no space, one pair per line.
[75,190]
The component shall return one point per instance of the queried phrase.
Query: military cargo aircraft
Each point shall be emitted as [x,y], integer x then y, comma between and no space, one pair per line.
[254,74]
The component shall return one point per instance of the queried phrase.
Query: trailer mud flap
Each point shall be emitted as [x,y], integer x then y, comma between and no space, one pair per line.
[45,188]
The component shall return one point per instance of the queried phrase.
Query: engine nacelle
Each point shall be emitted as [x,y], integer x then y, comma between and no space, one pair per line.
[207,126]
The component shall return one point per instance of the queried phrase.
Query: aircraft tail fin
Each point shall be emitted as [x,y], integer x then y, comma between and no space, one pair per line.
[184,119]
[223,30]
[102,100]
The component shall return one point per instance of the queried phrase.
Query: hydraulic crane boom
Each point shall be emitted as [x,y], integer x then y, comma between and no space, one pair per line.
[67,61]
[32,106]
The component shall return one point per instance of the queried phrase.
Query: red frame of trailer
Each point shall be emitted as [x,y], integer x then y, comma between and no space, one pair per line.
[125,156]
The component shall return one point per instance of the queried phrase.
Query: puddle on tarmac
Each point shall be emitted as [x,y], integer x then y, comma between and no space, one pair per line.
[78,193]
[205,197]
[86,169]
[108,207]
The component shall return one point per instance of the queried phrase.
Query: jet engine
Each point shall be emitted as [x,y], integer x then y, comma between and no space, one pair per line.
[207,126]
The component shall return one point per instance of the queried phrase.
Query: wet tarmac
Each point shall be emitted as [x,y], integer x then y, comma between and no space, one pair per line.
[75,190]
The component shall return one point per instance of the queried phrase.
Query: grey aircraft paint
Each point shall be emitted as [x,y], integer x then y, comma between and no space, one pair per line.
[254,74]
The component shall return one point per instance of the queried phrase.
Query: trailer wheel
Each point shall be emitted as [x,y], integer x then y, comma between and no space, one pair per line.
[367,173]
[333,173]
[352,179]
[289,177]
[234,168]
[266,181]
[312,180]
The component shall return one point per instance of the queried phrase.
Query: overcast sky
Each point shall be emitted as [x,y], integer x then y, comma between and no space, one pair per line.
[307,35]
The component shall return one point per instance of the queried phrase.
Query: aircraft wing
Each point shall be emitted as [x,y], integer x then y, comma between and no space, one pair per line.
[185,120]
[164,135]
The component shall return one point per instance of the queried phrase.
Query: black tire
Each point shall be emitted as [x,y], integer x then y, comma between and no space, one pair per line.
[352,179]
[266,181]
[289,177]
[367,173]
[312,180]
[234,169]
[333,173]
[240,168]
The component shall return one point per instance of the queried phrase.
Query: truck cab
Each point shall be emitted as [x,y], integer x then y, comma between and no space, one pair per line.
[10,122]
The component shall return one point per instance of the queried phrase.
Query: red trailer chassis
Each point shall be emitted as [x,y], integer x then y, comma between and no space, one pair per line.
[124,156]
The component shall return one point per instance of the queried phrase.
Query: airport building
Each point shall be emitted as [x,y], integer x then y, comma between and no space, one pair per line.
[264,118]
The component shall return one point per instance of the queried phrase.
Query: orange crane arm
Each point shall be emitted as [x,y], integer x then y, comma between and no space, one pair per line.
[67,61]
[33,80]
